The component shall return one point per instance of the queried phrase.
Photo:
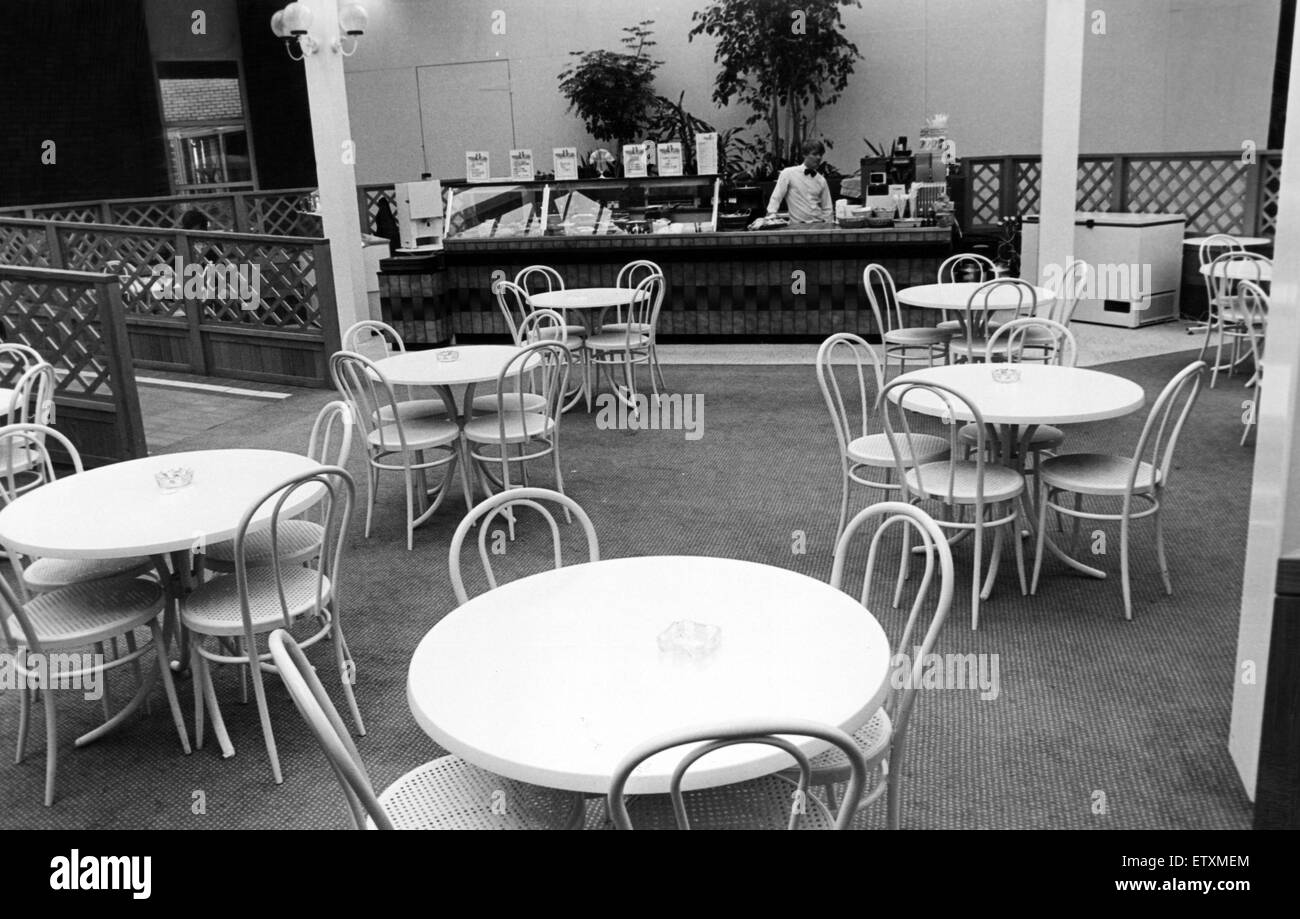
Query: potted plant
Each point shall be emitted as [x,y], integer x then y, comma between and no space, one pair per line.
[612,91]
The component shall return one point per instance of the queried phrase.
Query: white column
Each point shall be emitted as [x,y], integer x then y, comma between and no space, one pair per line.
[336,177]
[1275,494]
[1062,98]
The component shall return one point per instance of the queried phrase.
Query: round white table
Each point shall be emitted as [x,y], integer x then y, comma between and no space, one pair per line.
[579,298]
[553,678]
[1248,241]
[1241,270]
[472,364]
[1044,394]
[956,297]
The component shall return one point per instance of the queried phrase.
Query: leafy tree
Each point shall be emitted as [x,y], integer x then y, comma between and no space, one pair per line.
[785,59]
[613,92]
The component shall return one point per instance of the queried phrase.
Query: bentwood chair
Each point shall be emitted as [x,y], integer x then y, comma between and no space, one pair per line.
[1212,247]
[630,276]
[1069,289]
[55,642]
[300,539]
[1143,476]
[27,464]
[861,450]
[770,802]
[634,344]
[410,446]
[504,503]
[1225,324]
[544,279]
[1252,305]
[991,492]
[882,741]
[32,400]
[445,794]
[965,267]
[972,345]
[921,345]
[377,340]
[226,616]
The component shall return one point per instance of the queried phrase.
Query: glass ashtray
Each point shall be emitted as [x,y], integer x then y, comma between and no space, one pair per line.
[1006,374]
[174,479]
[447,356]
[692,639]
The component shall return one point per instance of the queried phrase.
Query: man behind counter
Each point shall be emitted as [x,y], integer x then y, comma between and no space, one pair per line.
[807,196]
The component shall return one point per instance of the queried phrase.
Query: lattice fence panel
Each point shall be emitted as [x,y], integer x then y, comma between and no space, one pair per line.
[160,215]
[373,197]
[84,213]
[61,321]
[1096,185]
[286,283]
[1028,178]
[985,193]
[1271,183]
[278,215]
[1209,191]
[24,245]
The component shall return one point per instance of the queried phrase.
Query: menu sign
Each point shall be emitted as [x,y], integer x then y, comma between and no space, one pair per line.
[634,161]
[706,153]
[521,165]
[566,163]
[670,159]
[477,166]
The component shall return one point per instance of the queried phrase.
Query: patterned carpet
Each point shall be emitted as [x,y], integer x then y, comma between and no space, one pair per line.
[1098,723]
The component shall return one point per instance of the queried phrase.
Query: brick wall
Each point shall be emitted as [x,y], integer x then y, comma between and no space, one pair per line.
[200,100]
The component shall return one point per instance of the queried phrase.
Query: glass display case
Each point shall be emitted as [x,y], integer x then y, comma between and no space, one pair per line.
[596,207]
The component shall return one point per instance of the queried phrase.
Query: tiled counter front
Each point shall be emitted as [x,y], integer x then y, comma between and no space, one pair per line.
[412,296]
[791,283]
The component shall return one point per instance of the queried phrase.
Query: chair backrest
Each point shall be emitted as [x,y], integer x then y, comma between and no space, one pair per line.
[513,302]
[916,643]
[373,339]
[1221,286]
[883,297]
[33,397]
[539,279]
[330,442]
[631,274]
[24,451]
[332,509]
[363,385]
[902,440]
[852,419]
[314,704]
[1252,305]
[716,737]
[1031,332]
[955,268]
[1213,246]
[1159,437]
[643,312]
[21,356]
[487,510]
[1073,282]
[543,325]
[980,307]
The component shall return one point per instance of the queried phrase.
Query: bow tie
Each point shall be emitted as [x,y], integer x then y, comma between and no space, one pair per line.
[809,172]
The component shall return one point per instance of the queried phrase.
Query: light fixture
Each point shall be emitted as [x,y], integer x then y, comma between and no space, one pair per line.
[293,24]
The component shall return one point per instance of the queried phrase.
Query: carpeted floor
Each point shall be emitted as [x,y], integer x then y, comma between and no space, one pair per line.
[1098,722]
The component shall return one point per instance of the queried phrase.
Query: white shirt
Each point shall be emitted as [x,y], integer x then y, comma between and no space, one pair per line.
[807,198]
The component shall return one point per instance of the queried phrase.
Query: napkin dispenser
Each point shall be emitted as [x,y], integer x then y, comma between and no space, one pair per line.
[419,213]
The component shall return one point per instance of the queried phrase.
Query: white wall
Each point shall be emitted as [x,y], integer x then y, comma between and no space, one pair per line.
[1167,75]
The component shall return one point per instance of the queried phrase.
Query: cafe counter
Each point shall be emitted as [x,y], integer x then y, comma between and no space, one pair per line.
[790,284]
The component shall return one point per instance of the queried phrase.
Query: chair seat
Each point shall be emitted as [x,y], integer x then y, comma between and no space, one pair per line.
[759,804]
[874,449]
[918,337]
[414,408]
[950,325]
[1000,483]
[421,434]
[1096,473]
[572,342]
[295,539]
[832,766]
[214,608]
[451,794]
[978,349]
[1045,437]
[45,574]
[488,404]
[570,332]
[618,341]
[519,427]
[622,327]
[82,614]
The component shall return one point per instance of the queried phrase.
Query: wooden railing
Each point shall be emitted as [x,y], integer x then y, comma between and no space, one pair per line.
[1218,191]
[285,335]
[76,321]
